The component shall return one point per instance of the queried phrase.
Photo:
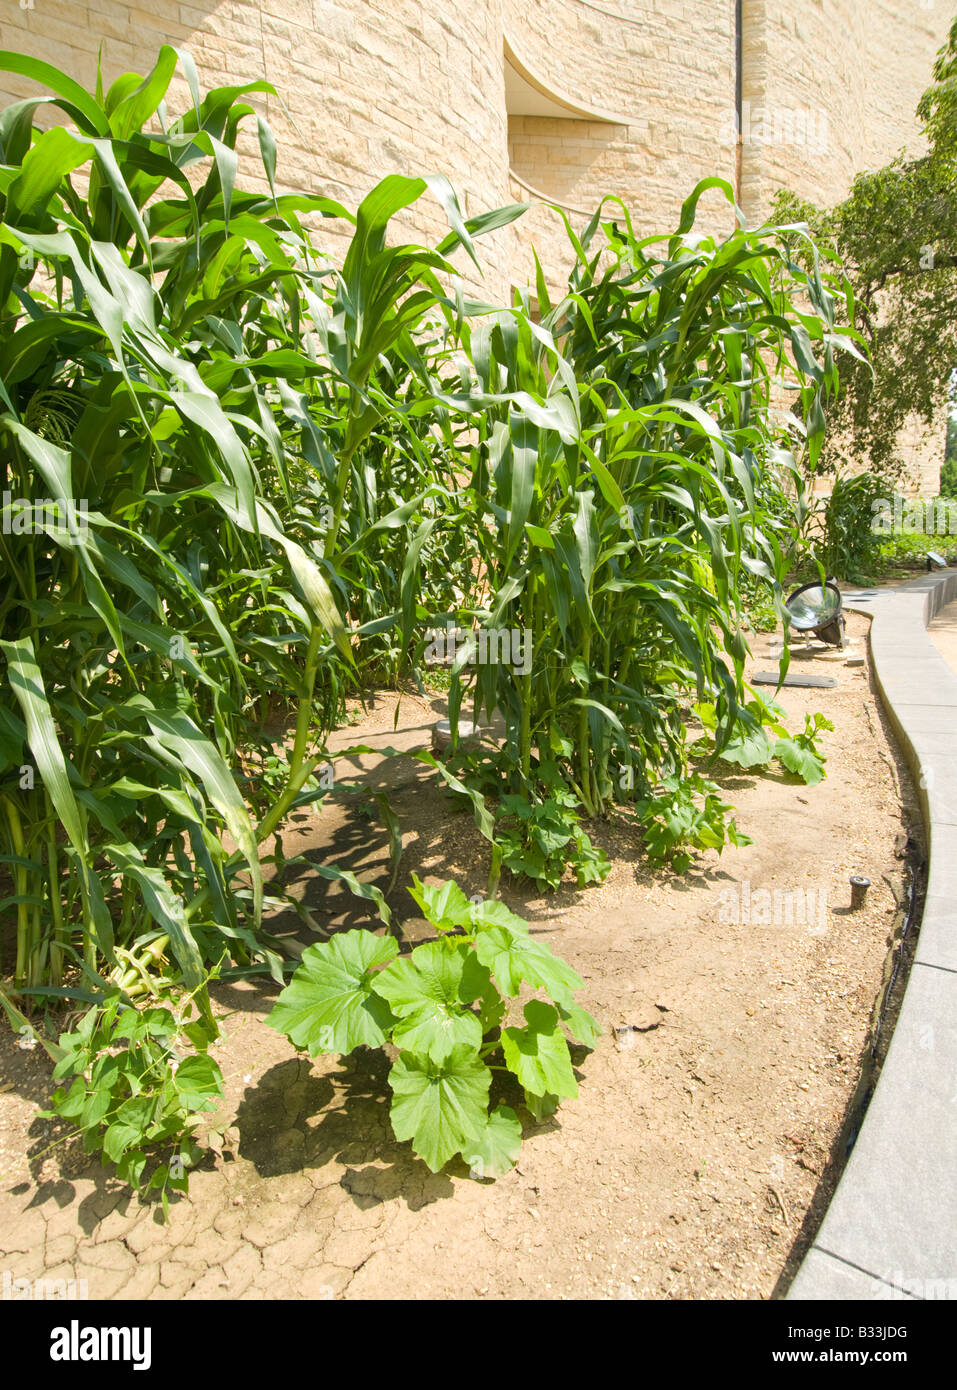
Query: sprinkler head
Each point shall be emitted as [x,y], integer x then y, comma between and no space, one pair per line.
[859,887]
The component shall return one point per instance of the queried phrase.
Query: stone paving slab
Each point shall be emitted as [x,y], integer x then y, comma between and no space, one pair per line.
[937,784]
[925,719]
[894,1214]
[823,1278]
[892,1222]
[927,741]
[937,943]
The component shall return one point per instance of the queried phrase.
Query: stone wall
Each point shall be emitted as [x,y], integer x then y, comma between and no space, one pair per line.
[367,87]
[835,85]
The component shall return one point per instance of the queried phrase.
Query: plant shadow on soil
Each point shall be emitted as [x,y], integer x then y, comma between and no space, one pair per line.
[296,1119]
[440,840]
[286,1122]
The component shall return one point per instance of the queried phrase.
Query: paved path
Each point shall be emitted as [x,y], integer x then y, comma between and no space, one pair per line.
[891,1229]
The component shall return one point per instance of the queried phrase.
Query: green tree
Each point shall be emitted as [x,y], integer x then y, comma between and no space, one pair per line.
[896,235]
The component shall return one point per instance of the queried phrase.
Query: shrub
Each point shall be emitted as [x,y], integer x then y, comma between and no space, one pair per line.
[851,545]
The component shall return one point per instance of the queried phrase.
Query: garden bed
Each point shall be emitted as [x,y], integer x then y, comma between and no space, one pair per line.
[706,1138]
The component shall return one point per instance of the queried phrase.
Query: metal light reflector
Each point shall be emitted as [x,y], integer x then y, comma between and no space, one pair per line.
[817,609]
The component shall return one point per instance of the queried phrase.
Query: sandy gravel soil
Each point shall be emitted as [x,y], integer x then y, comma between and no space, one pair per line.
[699,1155]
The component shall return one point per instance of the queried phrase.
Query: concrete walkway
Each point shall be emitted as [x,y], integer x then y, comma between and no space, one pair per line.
[891,1229]
[942,631]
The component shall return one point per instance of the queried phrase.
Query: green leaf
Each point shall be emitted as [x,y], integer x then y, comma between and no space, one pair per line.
[23,673]
[540,1107]
[135,109]
[445,905]
[538,1054]
[198,1082]
[201,1033]
[166,909]
[497,1148]
[129,1127]
[492,912]
[329,1005]
[483,816]
[58,82]
[749,748]
[524,455]
[310,578]
[516,956]
[579,1022]
[441,1106]
[159,1179]
[130,1167]
[484,222]
[70,1103]
[368,891]
[430,991]
[177,734]
[54,154]
[800,760]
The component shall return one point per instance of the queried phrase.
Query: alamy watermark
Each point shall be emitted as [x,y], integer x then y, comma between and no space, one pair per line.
[21,1290]
[21,517]
[486,646]
[777,125]
[903,1286]
[76,1343]
[935,517]
[743,905]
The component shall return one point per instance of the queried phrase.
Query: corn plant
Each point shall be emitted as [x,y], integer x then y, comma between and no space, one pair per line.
[616,493]
[193,386]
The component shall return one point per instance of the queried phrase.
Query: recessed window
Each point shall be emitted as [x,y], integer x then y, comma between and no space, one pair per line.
[553,139]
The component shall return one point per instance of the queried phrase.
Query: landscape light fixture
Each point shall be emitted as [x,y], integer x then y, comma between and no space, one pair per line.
[816,608]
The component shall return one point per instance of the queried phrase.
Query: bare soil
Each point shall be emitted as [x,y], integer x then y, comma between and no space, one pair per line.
[706,1139]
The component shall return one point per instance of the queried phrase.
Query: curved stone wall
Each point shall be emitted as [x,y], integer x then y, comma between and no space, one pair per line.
[672,82]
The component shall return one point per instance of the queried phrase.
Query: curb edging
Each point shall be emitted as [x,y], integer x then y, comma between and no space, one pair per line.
[890,1231]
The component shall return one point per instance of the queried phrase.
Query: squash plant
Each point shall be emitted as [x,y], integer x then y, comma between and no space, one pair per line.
[444,1008]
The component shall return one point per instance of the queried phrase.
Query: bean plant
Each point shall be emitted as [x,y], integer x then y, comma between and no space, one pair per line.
[136,1082]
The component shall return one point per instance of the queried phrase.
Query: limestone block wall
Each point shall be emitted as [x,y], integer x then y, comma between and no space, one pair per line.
[830,89]
[923,446]
[368,87]
[365,87]
[670,80]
